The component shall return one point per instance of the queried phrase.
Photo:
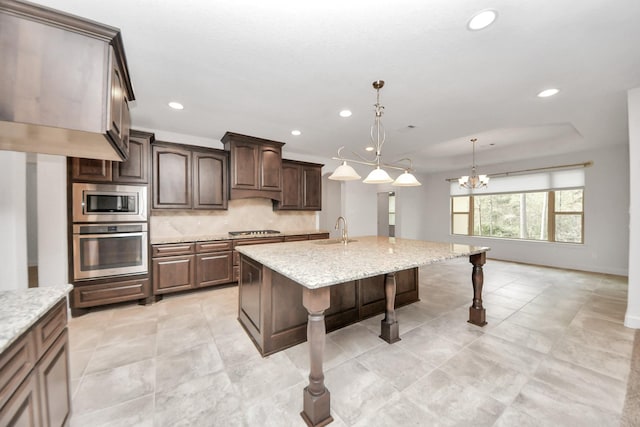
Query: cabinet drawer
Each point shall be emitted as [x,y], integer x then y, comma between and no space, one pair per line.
[49,327]
[15,365]
[172,249]
[296,238]
[318,236]
[109,293]
[214,246]
[259,241]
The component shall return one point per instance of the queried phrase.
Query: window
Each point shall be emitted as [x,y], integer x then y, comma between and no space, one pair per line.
[555,216]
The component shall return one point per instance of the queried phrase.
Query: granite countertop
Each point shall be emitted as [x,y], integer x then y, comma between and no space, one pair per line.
[315,264]
[158,240]
[21,309]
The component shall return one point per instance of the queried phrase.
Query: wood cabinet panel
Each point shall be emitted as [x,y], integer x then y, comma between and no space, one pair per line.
[49,327]
[296,238]
[245,166]
[91,170]
[291,189]
[270,168]
[23,408]
[210,180]
[171,249]
[171,177]
[110,293]
[134,170]
[249,293]
[214,246]
[214,268]
[301,186]
[318,236]
[15,364]
[312,187]
[255,166]
[171,274]
[53,373]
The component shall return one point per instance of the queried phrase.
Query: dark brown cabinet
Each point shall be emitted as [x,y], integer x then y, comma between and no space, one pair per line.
[34,374]
[134,169]
[174,267]
[185,177]
[301,186]
[65,72]
[214,263]
[131,171]
[255,166]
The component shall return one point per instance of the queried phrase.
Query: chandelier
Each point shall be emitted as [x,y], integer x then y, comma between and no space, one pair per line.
[344,172]
[474,181]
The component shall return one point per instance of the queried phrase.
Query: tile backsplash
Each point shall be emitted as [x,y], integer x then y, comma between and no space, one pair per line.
[242,214]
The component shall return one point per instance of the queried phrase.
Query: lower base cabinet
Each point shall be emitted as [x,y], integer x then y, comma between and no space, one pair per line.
[34,375]
[271,310]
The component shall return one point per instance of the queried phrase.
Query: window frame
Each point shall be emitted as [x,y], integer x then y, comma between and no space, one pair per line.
[552,215]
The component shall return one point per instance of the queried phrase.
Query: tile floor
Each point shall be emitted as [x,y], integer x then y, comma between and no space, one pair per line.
[555,353]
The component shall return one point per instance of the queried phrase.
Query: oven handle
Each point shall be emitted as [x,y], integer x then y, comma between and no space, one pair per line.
[103,235]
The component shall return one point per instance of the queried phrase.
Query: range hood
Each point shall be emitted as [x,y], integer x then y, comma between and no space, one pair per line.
[64,84]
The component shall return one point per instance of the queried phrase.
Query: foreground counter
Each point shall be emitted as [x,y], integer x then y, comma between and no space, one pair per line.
[329,278]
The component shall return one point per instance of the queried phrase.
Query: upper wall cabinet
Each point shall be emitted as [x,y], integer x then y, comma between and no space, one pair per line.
[188,177]
[64,82]
[134,170]
[256,166]
[301,186]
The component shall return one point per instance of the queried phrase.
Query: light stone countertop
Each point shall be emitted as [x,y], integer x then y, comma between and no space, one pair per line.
[158,240]
[315,264]
[21,309]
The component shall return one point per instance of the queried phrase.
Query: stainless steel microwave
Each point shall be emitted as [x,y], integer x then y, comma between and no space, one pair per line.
[109,203]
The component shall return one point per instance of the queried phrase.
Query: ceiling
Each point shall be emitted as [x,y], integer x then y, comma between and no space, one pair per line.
[264,68]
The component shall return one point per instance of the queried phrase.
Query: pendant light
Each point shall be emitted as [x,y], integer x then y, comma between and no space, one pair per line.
[473,181]
[378,175]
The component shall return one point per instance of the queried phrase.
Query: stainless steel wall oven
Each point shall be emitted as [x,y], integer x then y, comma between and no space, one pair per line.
[104,250]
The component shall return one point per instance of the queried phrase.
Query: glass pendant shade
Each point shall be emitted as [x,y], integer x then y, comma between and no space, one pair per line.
[406,179]
[378,176]
[344,172]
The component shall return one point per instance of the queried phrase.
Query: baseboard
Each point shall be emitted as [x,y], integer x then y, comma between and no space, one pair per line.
[632,321]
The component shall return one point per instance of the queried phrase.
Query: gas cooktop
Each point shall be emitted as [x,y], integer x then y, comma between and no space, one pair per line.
[253,233]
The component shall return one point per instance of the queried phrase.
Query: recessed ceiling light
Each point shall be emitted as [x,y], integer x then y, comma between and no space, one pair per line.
[482,19]
[296,132]
[345,113]
[176,105]
[369,148]
[548,92]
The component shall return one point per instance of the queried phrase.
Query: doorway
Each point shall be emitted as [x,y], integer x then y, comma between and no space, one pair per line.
[387,214]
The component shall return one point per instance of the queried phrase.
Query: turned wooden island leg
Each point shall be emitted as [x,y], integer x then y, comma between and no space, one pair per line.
[316,408]
[389,329]
[477,311]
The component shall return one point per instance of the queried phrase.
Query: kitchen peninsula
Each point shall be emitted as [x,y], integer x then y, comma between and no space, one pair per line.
[316,269]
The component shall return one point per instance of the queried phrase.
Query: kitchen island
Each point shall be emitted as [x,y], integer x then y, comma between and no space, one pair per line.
[34,361]
[317,268]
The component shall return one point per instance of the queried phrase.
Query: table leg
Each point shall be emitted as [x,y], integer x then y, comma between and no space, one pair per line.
[477,311]
[316,407]
[389,330]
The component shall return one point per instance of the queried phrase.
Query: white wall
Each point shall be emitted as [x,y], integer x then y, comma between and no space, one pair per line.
[632,317]
[360,208]
[13,222]
[52,220]
[606,201]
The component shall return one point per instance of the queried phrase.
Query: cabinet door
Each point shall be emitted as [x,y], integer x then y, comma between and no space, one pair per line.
[209,180]
[171,178]
[245,166]
[53,372]
[311,188]
[23,409]
[270,168]
[91,170]
[134,169]
[173,274]
[214,268]
[291,191]
[118,105]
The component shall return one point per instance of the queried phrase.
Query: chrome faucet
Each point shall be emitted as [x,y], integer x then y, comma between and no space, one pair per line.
[345,234]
